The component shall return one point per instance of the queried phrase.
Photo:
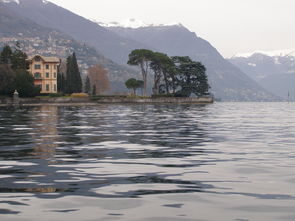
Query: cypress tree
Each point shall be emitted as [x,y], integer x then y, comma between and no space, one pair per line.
[73,78]
[94,90]
[69,77]
[60,82]
[87,85]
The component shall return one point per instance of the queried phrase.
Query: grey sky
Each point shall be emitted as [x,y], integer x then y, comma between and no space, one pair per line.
[231,26]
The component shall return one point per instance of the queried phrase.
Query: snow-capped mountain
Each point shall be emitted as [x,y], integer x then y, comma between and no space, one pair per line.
[274,70]
[227,81]
[10,1]
[273,53]
[133,23]
[18,1]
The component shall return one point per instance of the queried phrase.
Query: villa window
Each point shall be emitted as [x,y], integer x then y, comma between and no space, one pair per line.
[37,75]
[47,66]
[37,66]
[47,74]
[54,74]
[55,87]
[47,87]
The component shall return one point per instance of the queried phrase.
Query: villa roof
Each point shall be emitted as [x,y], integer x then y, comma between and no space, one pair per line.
[45,59]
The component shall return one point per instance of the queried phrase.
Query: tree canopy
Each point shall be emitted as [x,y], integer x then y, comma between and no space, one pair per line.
[14,74]
[141,58]
[134,84]
[178,75]
[190,76]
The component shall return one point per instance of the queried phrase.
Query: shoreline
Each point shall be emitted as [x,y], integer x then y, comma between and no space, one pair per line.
[108,100]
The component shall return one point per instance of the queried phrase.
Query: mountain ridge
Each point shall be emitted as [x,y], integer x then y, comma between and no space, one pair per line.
[228,82]
[274,70]
[81,29]
[36,39]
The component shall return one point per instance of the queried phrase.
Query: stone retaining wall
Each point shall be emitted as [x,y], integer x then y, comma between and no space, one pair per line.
[111,100]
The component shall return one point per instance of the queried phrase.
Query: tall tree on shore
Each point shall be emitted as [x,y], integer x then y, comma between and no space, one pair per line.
[61,78]
[7,79]
[98,77]
[190,77]
[73,77]
[87,88]
[141,58]
[61,82]
[134,84]
[162,65]
[6,55]
[94,90]
[19,58]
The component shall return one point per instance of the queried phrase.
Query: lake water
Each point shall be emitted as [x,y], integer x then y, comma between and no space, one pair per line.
[225,161]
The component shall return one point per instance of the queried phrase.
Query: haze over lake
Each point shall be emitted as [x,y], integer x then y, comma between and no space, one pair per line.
[225,161]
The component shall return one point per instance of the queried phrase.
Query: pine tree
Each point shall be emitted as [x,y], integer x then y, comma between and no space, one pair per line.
[19,59]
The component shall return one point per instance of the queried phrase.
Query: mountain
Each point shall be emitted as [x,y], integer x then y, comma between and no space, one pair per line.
[131,23]
[274,70]
[50,15]
[228,82]
[36,39]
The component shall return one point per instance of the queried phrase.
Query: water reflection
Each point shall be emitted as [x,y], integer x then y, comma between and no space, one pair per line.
[76,150]
[142,151]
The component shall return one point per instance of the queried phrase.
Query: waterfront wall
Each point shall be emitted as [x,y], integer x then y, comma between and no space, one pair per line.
[105,100]
[163,100]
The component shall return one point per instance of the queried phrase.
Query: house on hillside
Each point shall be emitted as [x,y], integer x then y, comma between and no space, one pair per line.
[44,70]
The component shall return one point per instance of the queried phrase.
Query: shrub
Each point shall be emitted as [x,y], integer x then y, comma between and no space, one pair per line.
[59,94]
[98,97]
[79,95]
[162,95]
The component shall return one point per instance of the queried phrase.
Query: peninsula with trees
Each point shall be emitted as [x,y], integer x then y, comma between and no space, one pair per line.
[163,79]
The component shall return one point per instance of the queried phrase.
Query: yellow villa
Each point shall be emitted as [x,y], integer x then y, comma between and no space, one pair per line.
[44,70]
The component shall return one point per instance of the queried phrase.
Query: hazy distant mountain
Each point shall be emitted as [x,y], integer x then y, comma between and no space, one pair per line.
[35,38]
[274,70]
[50,15]
[227,81]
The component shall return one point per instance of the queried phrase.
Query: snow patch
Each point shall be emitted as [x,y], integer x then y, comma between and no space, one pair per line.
[133,23]
[45,2]
[274,53]
[251,64]
[10,1]
[277,60]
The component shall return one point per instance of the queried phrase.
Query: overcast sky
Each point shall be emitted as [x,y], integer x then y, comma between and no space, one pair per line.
[232,26]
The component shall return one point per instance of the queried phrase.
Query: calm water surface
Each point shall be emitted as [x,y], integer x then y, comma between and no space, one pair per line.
[225,161]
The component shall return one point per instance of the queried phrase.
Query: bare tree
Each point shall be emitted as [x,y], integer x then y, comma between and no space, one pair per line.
[99,78]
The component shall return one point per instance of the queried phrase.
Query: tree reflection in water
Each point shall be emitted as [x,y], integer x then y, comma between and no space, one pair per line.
[72,150]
